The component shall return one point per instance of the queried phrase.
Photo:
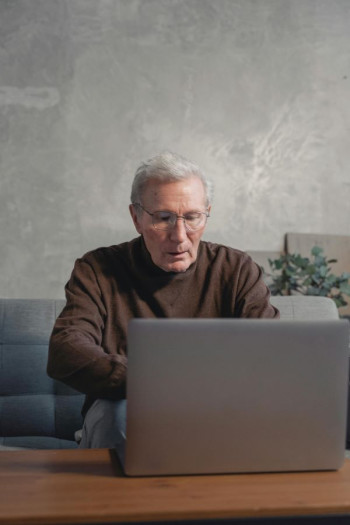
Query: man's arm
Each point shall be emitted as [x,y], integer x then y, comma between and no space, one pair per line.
[253,296]
[76,356]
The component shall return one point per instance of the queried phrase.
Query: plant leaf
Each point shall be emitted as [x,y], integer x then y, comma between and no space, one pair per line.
[345,288]
[316,250]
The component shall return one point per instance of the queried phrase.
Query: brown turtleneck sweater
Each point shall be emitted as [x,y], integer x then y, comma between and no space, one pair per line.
[109,286]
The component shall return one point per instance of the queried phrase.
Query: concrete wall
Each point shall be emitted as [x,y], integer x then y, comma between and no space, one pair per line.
[255,91]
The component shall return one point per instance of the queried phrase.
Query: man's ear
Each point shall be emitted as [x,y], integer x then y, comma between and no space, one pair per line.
[135,218]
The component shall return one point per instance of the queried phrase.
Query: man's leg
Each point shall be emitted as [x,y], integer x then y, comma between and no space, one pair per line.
[104,425]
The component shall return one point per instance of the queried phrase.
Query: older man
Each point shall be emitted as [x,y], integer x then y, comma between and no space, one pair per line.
[165,272]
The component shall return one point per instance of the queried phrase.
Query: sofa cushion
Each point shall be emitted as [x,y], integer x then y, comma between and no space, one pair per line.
[36,442]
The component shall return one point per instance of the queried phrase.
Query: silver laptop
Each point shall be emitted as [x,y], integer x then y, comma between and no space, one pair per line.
[210,396]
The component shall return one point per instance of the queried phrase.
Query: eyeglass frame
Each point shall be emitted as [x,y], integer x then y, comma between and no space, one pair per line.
[206,213]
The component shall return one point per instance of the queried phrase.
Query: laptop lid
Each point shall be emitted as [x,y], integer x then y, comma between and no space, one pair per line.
[235,395]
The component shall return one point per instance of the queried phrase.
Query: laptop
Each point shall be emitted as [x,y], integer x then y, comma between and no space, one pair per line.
[211,396]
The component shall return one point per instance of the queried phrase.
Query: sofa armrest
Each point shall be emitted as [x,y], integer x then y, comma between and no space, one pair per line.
[305,307]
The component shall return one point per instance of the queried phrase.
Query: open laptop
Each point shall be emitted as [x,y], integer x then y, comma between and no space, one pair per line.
[212,396]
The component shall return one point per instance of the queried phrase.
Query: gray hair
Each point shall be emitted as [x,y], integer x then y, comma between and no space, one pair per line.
[168,167]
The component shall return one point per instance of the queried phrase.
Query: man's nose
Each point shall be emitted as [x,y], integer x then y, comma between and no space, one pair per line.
[179,232]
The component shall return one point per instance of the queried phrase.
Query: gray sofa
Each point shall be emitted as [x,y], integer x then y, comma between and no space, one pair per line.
[38,412]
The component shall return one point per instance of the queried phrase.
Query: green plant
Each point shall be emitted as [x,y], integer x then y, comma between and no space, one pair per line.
[292,273]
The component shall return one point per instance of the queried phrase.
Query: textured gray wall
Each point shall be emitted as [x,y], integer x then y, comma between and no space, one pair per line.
[255,91]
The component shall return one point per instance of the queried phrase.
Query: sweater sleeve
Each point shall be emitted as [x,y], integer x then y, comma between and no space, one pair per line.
[253,296]
[76,355]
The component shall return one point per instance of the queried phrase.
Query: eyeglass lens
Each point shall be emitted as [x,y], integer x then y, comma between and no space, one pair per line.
[167,220]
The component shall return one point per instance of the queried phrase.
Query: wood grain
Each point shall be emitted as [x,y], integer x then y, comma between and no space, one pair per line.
[87,486]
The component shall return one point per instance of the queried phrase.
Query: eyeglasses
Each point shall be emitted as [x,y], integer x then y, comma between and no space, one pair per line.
[166,220]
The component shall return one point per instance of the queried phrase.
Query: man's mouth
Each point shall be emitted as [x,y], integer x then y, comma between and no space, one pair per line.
[177,254]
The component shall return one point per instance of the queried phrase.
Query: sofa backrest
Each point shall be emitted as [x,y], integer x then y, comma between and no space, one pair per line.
[35,410]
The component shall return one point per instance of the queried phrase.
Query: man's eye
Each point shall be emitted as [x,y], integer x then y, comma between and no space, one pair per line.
[192,217]
[164,216]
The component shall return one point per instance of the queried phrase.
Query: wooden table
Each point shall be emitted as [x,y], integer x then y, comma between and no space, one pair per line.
[87,486]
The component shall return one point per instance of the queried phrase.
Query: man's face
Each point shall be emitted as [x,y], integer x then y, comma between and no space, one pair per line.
[176,249]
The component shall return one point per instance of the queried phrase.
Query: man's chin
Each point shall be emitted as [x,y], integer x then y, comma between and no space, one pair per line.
[177,266]
[179,270]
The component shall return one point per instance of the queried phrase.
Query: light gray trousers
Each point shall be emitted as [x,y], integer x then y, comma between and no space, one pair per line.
[104,425]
